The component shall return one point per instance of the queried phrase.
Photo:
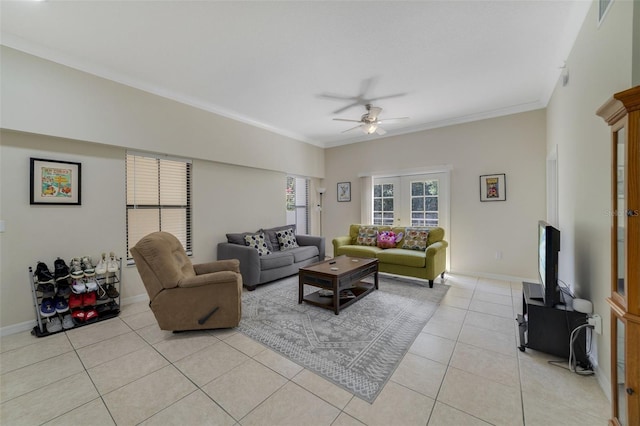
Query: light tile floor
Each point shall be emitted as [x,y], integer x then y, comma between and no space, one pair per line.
[463,369]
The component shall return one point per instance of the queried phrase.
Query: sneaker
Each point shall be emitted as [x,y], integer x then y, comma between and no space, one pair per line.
[42,274]
[75,268]
[67,322]
[47,290]
[111,291]
[112,263]
[77,316]
[60,270]
[47,308]
[89,299]
[90,314]
[63,290]
[108,308]
[60,304]
[101,267]
[78,287]
[87,267]
[54,325]
[101,292]
[75,301]
[92,285]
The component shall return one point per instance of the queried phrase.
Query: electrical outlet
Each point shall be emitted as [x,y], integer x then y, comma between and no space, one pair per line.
[596,321]
[498,255]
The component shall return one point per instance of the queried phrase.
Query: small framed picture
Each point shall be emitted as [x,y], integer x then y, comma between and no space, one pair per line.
[55,182]
[493,187]
[344,191]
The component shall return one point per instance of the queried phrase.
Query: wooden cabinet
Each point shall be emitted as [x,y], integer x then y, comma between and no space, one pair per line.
[622,113]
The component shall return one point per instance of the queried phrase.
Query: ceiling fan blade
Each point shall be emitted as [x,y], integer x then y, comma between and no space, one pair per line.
[346,119]
[386,120]
[348,130]
[386,97]
[344,108]
[381,131]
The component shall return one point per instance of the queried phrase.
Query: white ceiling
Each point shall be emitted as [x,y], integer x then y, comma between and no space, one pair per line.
[272,64]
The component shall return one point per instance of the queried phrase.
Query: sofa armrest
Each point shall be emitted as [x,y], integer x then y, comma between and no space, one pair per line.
[217,266]
[248,257]
[434,248]
[311,240]
[339,242]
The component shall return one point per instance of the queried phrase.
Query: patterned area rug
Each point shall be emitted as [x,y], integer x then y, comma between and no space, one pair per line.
[359,349]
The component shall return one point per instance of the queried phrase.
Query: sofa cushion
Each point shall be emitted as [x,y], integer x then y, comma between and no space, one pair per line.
[287,239]
[403,257]
[359,251]
[354,229]
[238,238]
[367,236]
[272,238]
[257,241]
[302,253]
[276,259]
[415,239]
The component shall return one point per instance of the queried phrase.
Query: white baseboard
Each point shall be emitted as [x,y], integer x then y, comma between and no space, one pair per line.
[501,277]
[604,382]
[28,325]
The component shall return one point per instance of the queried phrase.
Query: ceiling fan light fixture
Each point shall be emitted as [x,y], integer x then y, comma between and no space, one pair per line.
[369,128]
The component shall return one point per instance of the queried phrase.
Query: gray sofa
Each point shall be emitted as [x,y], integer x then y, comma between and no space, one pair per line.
[258,269]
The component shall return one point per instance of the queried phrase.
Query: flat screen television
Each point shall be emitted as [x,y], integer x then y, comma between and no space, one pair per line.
[548,248]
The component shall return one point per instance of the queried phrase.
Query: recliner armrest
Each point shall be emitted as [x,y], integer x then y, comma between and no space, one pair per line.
[222,277]
[217,266]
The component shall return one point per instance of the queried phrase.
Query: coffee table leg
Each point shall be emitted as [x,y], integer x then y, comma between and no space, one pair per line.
[336,297]
[376,279]
[300,285]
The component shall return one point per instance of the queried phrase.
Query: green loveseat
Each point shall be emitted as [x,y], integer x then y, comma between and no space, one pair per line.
[426,264]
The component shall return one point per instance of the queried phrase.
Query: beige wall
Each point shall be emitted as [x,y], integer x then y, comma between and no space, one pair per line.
[514,145]
[600,65]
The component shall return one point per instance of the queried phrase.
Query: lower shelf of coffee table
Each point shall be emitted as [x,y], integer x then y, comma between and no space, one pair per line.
[359,291]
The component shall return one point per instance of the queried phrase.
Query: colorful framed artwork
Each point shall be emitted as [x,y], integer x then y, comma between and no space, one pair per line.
[55,182]
[344,191]
[493,187]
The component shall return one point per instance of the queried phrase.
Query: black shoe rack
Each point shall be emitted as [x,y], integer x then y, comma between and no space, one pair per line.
[107,308]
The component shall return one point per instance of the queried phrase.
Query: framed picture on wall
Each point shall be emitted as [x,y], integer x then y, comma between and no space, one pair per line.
[493,187]
[55,182]
[344,191]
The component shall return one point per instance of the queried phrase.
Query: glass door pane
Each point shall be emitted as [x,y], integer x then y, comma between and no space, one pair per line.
[385,192]
[621,373]
[620,212]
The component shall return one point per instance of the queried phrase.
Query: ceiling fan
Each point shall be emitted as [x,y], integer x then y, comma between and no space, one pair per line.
[369,122]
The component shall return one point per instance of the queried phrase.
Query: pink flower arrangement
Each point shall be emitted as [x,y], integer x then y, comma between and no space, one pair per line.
[388,239]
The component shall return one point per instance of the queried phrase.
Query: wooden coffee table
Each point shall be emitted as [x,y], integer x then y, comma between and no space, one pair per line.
[342,277]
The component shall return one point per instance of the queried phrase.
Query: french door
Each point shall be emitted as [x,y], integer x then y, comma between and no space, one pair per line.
[415,200]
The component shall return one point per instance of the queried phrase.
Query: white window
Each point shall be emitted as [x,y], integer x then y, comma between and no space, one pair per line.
[297,203]
[158,198]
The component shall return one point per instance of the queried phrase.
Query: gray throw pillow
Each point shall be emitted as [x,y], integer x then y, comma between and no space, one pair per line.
[272,237]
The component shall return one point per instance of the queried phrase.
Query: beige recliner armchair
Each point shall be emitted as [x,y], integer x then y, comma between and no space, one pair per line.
[184,296]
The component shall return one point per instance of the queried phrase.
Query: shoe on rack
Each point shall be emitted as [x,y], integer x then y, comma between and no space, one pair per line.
[111,291]
[60,270]
[75,300]
[78,287]
[92,284]
[101,267]
[89,299]
[67,322]
[47,290]
[108,308]
[60,305]
[112,263]
[87,267]
[47,308]
[90,315]
[64,290]
[77,316]
[42,274]
[54,325]
[75,269]
[101,292]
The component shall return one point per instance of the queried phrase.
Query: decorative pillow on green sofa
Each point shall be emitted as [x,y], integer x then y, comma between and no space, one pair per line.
[367,236]
[415,239]
[287,239]
[258,242]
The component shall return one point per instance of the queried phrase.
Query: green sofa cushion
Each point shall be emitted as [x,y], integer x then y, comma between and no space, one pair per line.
[359,251]
[413,258]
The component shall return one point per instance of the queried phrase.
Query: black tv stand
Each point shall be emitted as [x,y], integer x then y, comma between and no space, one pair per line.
[549,329]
